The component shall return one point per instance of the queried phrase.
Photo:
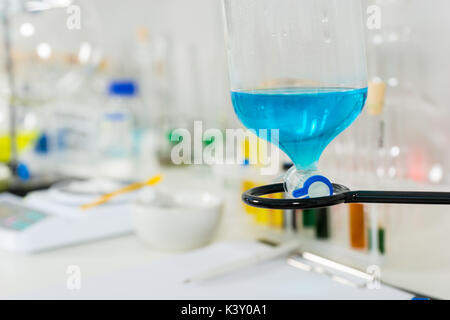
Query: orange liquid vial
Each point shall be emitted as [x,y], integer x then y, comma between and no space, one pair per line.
[357,226]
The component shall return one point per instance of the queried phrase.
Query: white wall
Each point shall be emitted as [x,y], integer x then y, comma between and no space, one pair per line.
[199,22]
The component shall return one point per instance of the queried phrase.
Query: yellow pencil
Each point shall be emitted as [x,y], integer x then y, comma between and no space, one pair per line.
[132,187]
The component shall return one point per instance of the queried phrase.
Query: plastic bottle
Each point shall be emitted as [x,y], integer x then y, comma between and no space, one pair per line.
[118,132]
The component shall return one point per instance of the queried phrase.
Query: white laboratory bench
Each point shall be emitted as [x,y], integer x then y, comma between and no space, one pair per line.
[24,275]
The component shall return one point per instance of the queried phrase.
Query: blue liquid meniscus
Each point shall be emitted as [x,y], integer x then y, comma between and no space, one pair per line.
[308,119]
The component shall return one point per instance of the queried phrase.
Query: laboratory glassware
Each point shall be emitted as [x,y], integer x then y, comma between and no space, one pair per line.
[117,132]
[50,49]
[54,47]
[298,67]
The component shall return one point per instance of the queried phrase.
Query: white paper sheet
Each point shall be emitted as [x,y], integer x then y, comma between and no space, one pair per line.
[268,280]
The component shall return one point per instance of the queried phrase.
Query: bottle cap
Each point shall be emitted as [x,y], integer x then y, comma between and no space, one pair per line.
[122,88]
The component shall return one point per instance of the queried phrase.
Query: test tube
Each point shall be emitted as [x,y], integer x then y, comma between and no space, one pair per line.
[357,226]
[308,222]
[276,216]
[322,223]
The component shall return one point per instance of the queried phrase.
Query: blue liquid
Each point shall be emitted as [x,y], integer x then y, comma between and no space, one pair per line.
[308,119]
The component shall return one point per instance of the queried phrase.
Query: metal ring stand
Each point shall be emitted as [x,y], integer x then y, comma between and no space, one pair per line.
[342,194]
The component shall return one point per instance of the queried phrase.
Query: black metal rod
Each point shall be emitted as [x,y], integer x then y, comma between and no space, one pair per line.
[406,197]
[342,194]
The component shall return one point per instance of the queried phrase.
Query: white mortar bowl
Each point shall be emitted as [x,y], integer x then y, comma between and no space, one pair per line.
[187,219]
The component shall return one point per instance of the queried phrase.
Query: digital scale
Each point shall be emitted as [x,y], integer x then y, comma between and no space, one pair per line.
[38,223]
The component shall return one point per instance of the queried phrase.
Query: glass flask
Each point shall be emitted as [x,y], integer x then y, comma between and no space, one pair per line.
[299,67]
[53,47]
[49,51]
